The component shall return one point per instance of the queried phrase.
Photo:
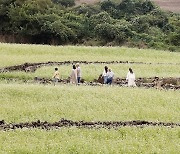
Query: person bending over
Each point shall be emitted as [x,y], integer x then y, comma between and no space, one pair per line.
[110,76]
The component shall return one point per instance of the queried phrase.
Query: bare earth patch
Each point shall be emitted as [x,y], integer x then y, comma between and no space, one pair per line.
[170,5]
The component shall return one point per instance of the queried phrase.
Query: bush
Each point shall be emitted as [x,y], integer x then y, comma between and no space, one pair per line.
[66,3]
[175,38]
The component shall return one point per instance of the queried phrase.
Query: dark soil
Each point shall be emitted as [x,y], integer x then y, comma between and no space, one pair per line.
[153,82]
[83,124]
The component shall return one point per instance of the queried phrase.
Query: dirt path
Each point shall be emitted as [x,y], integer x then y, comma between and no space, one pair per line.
[83,124]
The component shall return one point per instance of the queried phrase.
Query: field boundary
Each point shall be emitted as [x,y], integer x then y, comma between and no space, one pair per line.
[84,124]
[32,67]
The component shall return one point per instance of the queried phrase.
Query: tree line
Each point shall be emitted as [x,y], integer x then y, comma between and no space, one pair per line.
[134,23]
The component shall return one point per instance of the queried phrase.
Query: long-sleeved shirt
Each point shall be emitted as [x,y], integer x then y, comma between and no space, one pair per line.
[78,72]
[104,73]
[110,74]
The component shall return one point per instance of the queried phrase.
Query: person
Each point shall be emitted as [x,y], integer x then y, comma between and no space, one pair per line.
[131,78]
[110,76]
[105,74]
[78,73]
[56,76]
[73,75]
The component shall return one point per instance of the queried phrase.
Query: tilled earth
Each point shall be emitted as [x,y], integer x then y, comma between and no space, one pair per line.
[153,82]
[83,124]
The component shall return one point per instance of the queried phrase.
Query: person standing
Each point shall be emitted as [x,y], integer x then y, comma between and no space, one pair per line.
[73,75]
[105,74]
[56,76]
[131,78]
[78,73]
[110,76]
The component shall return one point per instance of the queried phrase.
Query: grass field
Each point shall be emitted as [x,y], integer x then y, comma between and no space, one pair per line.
[13,54]
[87,103]
[125,140]
[20,102]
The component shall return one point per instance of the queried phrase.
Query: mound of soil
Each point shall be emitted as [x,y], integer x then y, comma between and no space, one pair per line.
[153,82]
[82,124]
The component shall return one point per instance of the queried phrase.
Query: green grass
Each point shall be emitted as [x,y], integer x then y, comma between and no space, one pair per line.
[13,54]
[123,140]
[21,103]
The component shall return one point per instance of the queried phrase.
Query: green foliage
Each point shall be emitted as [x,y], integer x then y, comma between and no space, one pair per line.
[175,38]
[123,22]
[87,10]
[66,3]
[135,7]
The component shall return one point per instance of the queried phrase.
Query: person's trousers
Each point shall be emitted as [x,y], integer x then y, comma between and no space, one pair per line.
[79,79]
[109,80]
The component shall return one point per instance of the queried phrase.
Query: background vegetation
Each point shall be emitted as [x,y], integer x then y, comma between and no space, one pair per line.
[130,22]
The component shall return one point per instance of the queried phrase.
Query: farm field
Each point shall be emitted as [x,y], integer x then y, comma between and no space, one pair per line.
[22,102]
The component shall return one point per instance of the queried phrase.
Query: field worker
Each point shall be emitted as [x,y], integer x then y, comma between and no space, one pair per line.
[73,75]
[105,74]
[56,76]
[110,76]
[131,78]
[78,73]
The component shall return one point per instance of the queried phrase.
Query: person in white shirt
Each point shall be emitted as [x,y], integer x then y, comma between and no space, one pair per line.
[78,73]
[110,76]
[131,78]
[105,74]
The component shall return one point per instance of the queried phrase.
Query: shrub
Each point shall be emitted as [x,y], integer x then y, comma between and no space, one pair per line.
[66,3]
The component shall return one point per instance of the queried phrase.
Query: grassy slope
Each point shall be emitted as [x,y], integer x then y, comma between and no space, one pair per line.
[11,54]
[124,140]
[33,102]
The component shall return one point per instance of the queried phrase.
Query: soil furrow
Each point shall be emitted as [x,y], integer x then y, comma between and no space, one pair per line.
[32,67]
[83,124]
